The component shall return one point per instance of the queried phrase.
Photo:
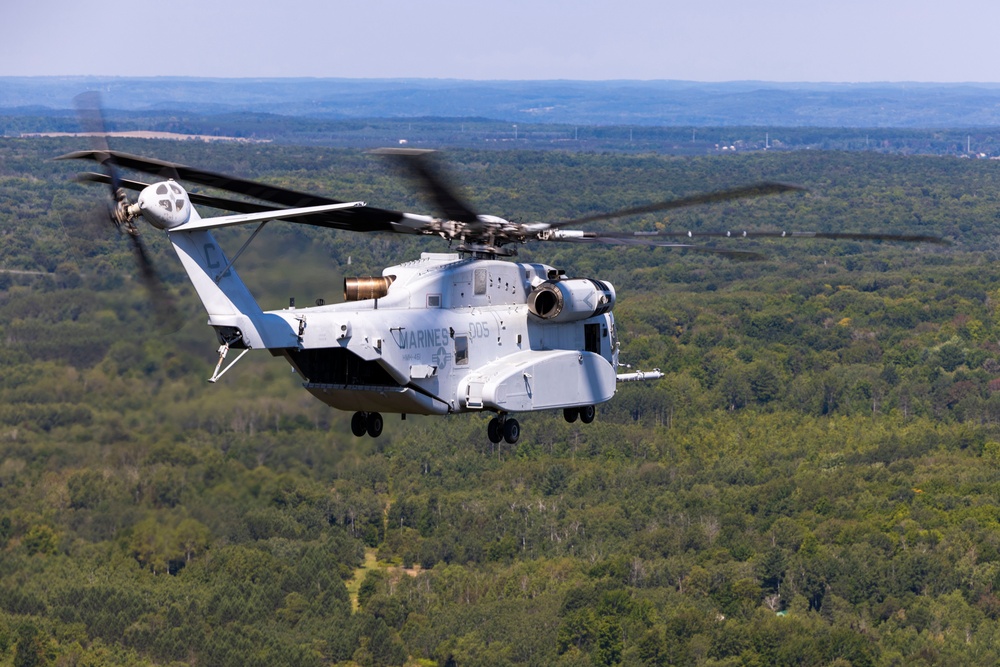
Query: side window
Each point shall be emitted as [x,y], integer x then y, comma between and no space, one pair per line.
[433,300]
[461,350]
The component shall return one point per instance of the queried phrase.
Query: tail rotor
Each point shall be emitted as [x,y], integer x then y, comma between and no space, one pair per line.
[121,212]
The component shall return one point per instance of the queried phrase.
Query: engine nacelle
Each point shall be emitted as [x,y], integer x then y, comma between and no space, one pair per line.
[569,300]
[165,205]
[367,287]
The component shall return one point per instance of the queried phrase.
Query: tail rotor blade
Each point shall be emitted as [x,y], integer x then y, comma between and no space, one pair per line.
[167,316]
[88,108]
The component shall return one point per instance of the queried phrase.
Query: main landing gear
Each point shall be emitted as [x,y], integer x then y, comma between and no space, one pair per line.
[507,429]
[503,428]
[366,422]
[586,413]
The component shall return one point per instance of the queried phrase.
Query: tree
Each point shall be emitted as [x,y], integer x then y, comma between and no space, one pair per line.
[33,649]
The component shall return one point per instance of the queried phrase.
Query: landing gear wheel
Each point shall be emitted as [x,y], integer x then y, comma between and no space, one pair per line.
[570,414]
[359,424]
[374,424]
[494,430]
[587,413]
[511,431]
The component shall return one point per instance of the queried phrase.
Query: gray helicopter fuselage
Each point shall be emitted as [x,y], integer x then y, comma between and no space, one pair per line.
[437,335]
[457,335]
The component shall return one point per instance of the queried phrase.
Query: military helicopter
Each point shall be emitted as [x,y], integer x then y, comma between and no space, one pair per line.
[463,331]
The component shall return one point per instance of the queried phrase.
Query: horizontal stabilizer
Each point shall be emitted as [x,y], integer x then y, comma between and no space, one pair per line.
[263,216]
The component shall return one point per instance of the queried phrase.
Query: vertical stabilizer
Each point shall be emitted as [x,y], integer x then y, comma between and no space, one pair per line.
[225,296]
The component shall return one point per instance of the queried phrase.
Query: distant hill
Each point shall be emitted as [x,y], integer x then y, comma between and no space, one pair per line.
[639,103]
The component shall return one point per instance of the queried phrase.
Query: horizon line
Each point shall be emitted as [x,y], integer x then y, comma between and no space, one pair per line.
[497,80]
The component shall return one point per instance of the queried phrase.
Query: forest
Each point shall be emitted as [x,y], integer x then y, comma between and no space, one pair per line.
[816,481]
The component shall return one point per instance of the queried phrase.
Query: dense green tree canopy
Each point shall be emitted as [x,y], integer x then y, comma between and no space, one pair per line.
[813,483]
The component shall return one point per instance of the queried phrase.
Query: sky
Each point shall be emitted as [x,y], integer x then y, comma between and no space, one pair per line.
[847,41]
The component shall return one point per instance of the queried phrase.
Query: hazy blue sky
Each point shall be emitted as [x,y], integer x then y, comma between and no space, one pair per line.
[700,40]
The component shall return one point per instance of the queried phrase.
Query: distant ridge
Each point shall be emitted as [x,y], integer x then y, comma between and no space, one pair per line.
[640,103]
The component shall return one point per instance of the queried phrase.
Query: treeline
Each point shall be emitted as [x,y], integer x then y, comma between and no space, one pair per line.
[813,483]
[477,133]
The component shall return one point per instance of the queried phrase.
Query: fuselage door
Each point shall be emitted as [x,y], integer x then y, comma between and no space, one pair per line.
[592,337]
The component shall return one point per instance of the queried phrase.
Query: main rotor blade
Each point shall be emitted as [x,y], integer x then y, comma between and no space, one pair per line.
[361,219]
[635,241]
[314,219]
[221,203]
[756,190]
[856,236]
[419,165]
[746,234]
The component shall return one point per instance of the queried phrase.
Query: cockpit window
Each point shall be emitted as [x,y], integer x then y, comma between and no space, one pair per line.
[162,190]
[166,205]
